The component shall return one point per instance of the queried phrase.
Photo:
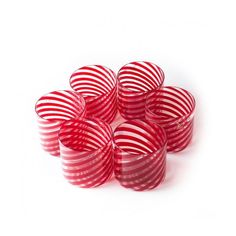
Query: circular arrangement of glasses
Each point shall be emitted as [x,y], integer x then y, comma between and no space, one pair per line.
[75,125]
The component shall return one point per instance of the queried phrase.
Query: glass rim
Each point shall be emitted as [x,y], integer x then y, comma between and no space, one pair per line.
[163,146]
[51,120]
[141,92]
[103,94]
[190,113]
[96,120]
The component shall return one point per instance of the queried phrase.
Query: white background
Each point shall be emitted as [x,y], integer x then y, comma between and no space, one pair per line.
[43,42]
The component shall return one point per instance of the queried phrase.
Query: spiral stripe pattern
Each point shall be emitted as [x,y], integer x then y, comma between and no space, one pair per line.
[173,109]
[86,152]
[98,86]
[52,110]
[135,80]
[140,154]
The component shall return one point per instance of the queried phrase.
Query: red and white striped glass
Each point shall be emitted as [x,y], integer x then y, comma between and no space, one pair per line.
[140,154]
[98,86]
[173,109]
[86,152]
[52,110]
[135,80]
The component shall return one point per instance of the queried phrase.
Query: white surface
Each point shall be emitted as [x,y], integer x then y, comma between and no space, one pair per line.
[43,42]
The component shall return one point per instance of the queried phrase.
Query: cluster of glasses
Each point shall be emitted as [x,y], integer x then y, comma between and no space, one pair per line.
[76,125]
